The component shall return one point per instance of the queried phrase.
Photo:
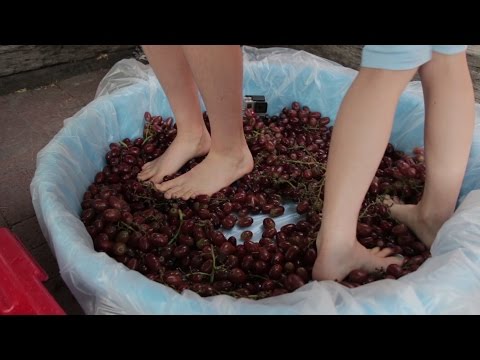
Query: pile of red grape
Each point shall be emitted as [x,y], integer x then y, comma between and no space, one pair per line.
[181,244]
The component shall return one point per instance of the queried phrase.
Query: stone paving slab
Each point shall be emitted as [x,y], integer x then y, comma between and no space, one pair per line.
[29,120]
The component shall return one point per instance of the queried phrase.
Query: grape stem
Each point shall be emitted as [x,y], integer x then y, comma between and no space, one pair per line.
[180,215]
[281,181]
[198,273]
[131,228]
[258,277]
[302,162]
[147,139]
[364,212]
[212,275]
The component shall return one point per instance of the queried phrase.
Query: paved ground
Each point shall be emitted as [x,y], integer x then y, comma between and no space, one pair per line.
[28,121]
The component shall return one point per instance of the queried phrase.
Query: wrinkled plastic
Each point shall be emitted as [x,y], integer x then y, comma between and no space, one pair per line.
[447,283]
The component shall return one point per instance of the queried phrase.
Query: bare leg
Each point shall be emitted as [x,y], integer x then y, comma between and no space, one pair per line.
[175,76]
[358,142]
[218,74]
[449,123]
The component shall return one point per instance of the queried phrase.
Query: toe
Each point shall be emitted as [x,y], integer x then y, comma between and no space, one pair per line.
[375,250]
[157,179]
[145,174]
[194,194]
[385,252]
[188,195]
[167,185]
[147,165]
[170,193]
[178,192]
[388,201]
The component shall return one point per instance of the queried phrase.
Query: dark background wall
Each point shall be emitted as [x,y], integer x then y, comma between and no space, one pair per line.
[29,66]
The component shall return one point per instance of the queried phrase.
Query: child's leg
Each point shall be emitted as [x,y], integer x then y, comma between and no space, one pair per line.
[358,142]
[175,76]
[449,123]
[218,73]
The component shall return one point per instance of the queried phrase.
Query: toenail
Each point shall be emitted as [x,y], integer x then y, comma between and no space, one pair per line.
[400,256]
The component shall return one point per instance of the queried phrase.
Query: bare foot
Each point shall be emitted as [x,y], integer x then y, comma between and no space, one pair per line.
[410,215]
[336,259]
[185,147]
[215,172]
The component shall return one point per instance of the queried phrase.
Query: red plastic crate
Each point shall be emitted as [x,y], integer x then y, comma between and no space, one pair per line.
[21,288]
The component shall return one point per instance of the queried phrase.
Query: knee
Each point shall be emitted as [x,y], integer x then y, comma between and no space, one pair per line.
[395,80]
[443,65]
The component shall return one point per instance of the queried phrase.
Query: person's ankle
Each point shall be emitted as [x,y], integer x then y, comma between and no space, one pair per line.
[235,150]
[433,217]
[332,235]
[192,131]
